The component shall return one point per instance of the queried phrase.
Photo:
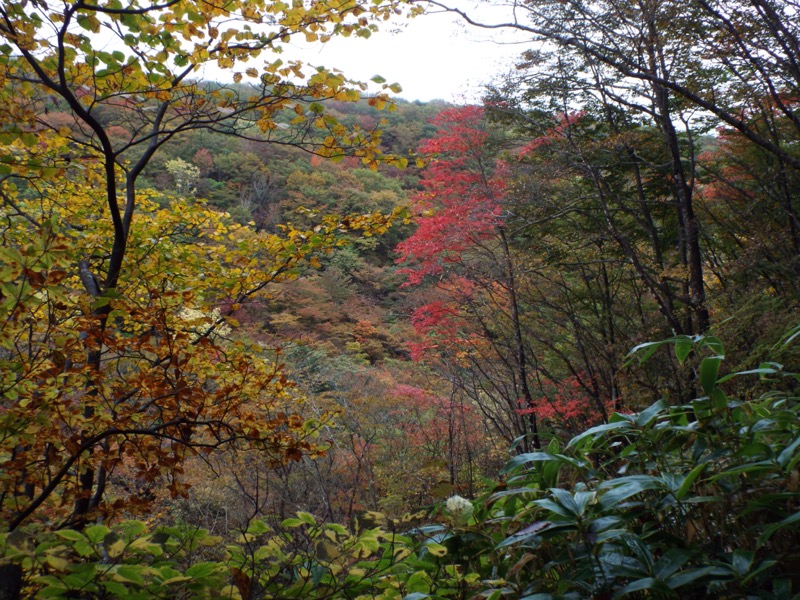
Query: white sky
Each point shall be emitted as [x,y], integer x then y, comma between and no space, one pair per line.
[432,57]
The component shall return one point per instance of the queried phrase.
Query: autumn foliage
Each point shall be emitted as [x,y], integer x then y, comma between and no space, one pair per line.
[460,206]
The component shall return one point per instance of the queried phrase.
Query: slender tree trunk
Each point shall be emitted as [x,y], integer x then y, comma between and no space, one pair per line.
[521,356]
[683,186]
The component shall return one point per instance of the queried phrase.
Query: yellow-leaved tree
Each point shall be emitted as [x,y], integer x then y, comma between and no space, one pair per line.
[115,357]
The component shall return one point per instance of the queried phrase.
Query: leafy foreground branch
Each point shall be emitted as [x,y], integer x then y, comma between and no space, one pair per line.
[699,500]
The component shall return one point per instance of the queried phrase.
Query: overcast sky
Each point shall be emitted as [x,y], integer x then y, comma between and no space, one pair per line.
[432,57]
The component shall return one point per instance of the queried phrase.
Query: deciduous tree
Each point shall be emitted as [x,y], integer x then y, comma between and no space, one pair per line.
[111,375]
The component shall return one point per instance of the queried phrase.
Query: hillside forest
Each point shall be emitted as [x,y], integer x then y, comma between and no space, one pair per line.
[289,335]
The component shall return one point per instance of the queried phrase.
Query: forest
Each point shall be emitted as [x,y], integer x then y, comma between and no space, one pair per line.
[285,334]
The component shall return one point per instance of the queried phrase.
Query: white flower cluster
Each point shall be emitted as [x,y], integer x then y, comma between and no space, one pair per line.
[456,505]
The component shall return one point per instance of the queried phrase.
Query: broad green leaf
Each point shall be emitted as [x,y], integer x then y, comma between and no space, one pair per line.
[96,533]
[763,566]
[306,518]
[258,527]
[530,457]
[202,570]
[688,576]
[672,560]
[789,455]
[646,417]
[72,535]
[689,480]
[627,487]
[683,347]
[597,431]
[741,560]
[419,582]
[554,507]
[709,369]
[714,344]
[130,574]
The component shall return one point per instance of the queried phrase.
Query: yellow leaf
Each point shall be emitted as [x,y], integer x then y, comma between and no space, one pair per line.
[58,563]
[436,549]
[116,548]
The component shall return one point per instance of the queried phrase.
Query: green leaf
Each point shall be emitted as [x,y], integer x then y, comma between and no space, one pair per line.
[719,400]
[787,338]
[742,560]
[762,566]
[258,527]
[202,570]
[672,560]
[646,583]
[554,507]
[116,589]
[786,455]
[597,431]
[84,549]
[175,579]
[420,583]
[761,371]
[130,574]
[626,487]
[645,417]
[530,457]
[574,504]
[683,347]
[644,352]
[688,576]
[567,500]
[709,370]
[291,523]
[689,480]
[306,518]
[96,533]
[770,530]
[714,344]
[71,535]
